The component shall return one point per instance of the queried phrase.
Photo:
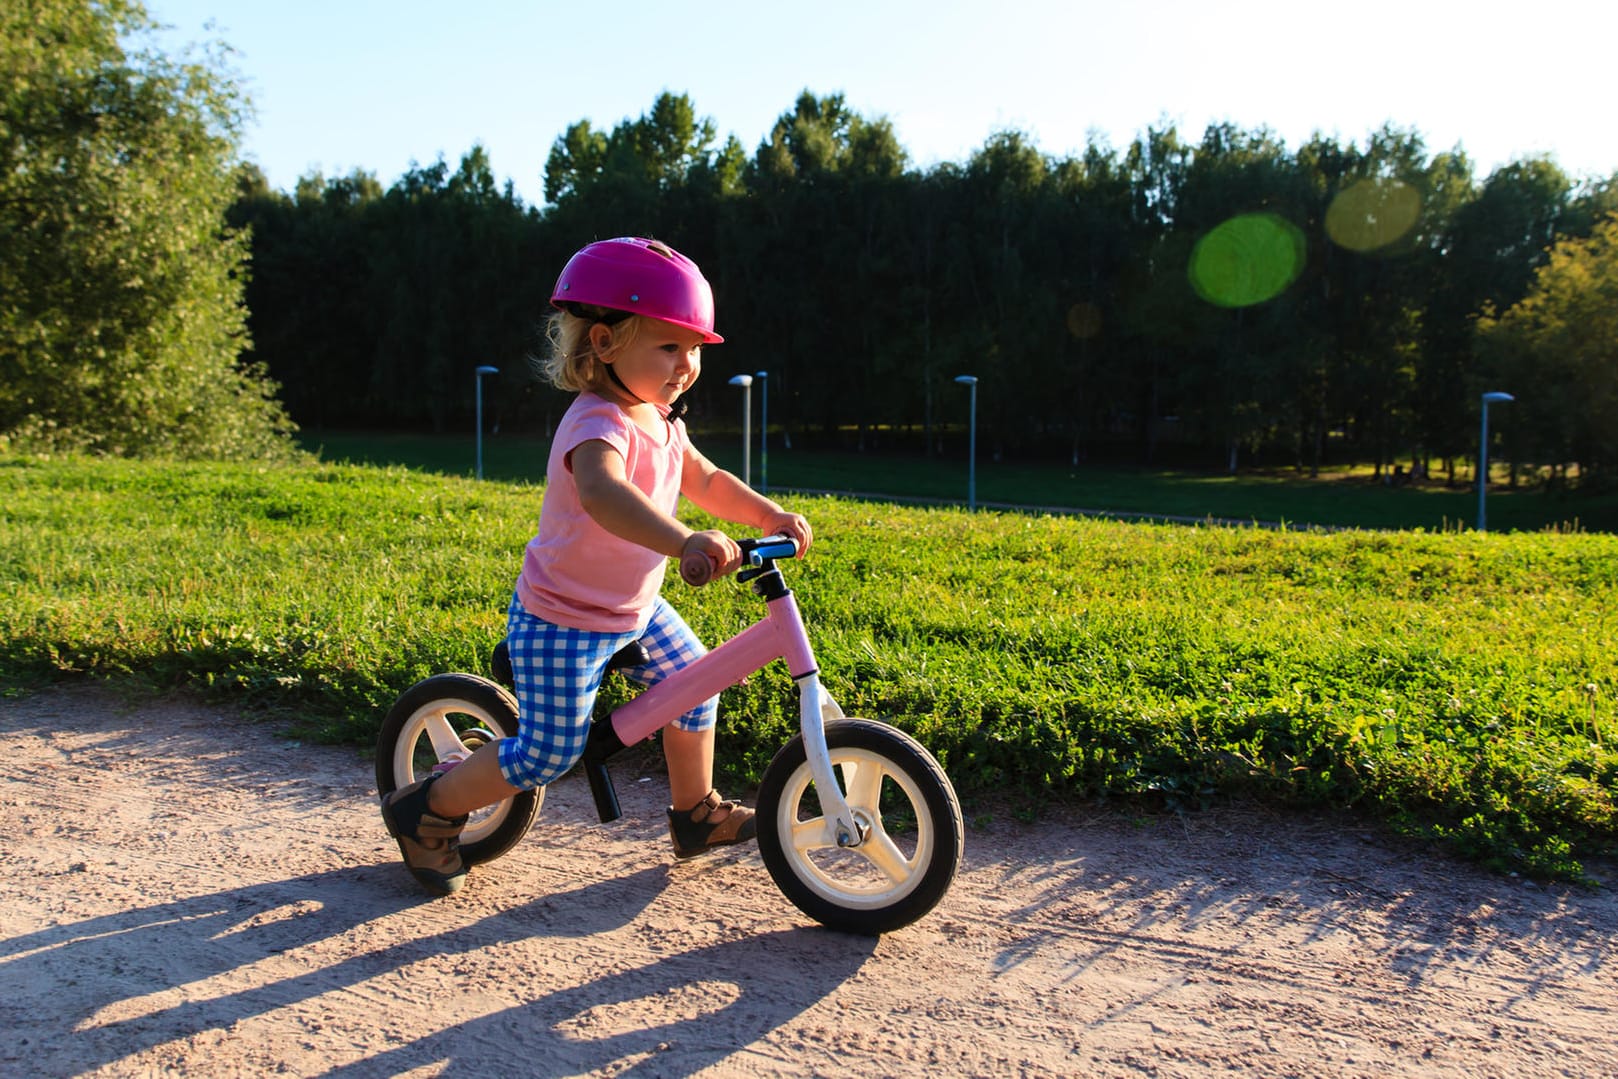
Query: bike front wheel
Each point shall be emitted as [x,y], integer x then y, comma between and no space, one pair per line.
[908,814]
[436,724]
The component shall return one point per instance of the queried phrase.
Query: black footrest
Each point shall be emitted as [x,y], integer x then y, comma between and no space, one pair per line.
[603,743]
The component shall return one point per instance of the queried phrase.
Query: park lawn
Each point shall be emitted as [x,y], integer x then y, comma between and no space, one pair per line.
[1342,497]
[1457,685]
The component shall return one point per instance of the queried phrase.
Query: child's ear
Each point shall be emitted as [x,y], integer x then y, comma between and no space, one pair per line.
[601,341]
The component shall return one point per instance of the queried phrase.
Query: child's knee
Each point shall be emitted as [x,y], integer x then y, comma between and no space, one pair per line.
[528,767]
[699,719]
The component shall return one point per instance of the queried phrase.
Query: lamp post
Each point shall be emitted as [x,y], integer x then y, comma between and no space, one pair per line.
[971,382]
[1483,451]
[763,431]
[746,383]
[478,383]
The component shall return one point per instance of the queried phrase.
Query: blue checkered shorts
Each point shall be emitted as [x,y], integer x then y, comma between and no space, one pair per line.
[558,672]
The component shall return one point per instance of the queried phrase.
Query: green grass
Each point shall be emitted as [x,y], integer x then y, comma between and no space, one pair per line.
[1457,685]
[1341,498]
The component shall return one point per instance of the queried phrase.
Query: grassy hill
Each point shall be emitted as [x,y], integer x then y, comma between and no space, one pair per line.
[1457,685]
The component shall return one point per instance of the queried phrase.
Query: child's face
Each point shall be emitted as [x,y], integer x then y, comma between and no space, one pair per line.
[661,362]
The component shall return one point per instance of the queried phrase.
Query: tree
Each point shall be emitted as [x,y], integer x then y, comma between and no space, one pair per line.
[1492,241]
[1242,190]
[637,176]
[373,308]
[1450,304]
[121,317]
[1375,288]
[450,288]
[1591,202]
[312,319]
[1558,349]
[1153,277]
[810,233]
[576,160]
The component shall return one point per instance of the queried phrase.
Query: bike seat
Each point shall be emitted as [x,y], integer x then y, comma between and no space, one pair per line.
[633,654]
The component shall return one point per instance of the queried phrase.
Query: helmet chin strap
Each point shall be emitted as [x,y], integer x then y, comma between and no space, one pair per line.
[676,410]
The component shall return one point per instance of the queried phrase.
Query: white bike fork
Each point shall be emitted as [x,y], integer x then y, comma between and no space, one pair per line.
[818,708]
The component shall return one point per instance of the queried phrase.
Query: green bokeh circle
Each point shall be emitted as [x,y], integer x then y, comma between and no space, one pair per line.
[1247,260]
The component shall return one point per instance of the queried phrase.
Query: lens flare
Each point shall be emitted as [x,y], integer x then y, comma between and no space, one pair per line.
[1372,214]
[1084,320]
[1247,260]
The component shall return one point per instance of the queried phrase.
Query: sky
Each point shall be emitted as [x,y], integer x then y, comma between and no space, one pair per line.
[340,85]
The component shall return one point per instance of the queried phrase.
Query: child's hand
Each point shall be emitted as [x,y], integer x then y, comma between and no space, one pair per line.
[719,548]
[782,523]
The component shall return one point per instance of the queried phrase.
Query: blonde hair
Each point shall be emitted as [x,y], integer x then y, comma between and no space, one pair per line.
[573,362]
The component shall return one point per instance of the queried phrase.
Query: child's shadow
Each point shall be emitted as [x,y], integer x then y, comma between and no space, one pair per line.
[700,1007]
[55,982]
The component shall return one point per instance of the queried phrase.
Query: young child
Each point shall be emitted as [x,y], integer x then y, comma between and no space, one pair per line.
[632,318]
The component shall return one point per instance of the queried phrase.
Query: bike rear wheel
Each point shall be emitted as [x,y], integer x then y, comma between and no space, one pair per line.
[906,808]
[441,721]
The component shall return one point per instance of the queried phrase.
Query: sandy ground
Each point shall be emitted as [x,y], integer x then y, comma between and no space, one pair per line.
[189,892]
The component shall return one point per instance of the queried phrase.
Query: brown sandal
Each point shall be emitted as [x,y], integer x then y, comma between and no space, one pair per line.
[710,823]
[429,843]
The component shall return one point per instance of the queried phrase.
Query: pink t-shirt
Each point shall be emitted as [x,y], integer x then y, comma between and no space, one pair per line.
[575,573]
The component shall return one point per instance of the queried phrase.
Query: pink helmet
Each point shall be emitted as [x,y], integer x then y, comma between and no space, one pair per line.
[642,277]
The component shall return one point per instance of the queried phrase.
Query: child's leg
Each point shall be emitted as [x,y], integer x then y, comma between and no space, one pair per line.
[688,741]
[472,784]
[557,673]
[690,759]
[699,820]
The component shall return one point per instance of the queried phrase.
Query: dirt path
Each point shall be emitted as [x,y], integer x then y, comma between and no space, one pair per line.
[186,891]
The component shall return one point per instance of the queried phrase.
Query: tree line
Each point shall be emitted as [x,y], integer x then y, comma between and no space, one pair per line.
[1214,303]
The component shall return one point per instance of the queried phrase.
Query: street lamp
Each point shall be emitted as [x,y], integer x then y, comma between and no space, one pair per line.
[746,383]
[478,382]
[763,431]
[971,442]
[1483,451]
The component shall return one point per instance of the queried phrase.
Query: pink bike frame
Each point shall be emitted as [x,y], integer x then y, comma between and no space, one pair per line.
[780,634]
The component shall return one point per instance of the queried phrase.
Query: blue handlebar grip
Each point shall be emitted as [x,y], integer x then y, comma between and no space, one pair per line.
[772,547]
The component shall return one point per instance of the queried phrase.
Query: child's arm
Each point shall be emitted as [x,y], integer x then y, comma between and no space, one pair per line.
[624,510]
[722,494]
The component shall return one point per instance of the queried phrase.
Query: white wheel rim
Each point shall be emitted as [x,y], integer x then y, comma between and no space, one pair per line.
[429,729]
[883,869]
